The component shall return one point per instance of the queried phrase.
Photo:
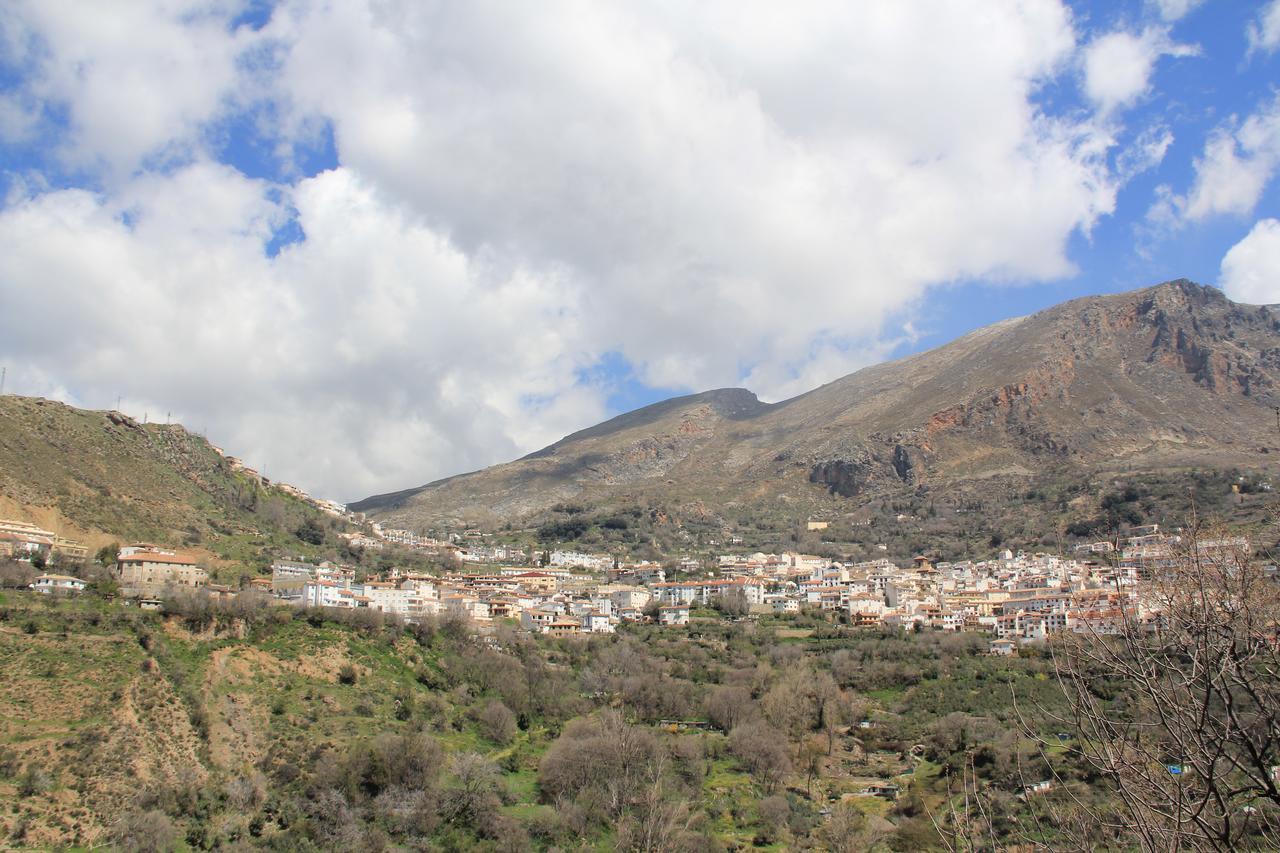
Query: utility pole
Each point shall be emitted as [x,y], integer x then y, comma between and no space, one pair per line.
[4,374]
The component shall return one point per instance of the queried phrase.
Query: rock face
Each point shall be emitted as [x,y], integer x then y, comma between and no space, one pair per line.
[1166,376]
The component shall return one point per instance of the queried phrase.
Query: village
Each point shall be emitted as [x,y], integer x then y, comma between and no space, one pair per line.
[1017,599]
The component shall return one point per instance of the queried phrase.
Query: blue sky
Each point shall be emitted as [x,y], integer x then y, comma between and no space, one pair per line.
[372,244]
[1191,96]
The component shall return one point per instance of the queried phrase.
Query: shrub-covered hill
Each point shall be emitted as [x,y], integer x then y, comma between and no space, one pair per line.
[256,727]
[102,477]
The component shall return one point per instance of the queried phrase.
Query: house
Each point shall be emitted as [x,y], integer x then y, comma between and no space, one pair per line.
[1037,788]
[539,619]
[886,790]
[57,583]
[536,581]
[632,598]
[1003,647]
[146,570]
[289,577]
[23,541]
[596,622]
[563,627]
[673,614]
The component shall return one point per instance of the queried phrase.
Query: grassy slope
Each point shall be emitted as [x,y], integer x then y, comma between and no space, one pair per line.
[101,477]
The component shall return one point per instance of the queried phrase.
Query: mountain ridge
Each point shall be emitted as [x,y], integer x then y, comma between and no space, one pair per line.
[1168,375]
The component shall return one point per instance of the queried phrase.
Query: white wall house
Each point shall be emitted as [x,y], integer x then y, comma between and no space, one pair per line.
[57,583]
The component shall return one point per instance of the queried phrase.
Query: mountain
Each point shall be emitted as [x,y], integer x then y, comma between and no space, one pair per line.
[102,476]
[1171,377]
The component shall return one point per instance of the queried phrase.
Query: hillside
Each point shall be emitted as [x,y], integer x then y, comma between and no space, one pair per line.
[1156,382]
[102,476]
[249,727]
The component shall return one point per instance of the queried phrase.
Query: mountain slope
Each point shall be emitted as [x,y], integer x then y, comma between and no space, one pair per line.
[102,476]
[1167,376]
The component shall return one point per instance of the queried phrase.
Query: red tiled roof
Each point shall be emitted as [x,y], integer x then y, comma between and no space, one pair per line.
[154,557]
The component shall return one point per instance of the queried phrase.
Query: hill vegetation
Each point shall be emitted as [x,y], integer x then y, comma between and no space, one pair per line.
[102,477]
[285,729]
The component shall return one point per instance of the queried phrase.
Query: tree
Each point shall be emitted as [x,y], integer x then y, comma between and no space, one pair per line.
[1180,710]
[763,751]
[775,812]
[729,705]
[733,602]
[497,722]
[603,754]
[472,800]
[145,832]
[311,532]
[16,575]
[108,555]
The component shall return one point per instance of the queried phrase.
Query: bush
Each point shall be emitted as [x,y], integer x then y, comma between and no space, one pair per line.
[34,781]
[311,532]
[8,763]
[368,768]
[348,674]
[497,723]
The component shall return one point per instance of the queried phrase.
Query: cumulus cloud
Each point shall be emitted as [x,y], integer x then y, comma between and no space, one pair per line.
[136,84]
[1239,160]
[372,347]
[1251,269]
[1118,65]
[817,165]
[721,193]
[1263,33]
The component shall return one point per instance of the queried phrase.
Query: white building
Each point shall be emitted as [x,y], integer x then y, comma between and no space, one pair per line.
[57,583]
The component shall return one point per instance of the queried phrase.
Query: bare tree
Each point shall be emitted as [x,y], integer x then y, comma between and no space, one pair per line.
[660,821]
[144,832]
[1177,704]
[763,751]
[497,722]
[729,705]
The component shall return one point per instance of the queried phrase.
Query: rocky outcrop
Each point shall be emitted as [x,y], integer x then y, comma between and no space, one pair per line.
[845,477]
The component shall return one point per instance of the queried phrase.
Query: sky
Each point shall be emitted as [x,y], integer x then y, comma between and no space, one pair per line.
[365,245]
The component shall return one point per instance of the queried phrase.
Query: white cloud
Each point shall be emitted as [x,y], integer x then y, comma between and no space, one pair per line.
[1118,65]
[737,162]
[135,84]
[372,350]
[1263,33]
[1144,153]
[721,192]
[1251,269]
[1175,10]
[1239,160]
